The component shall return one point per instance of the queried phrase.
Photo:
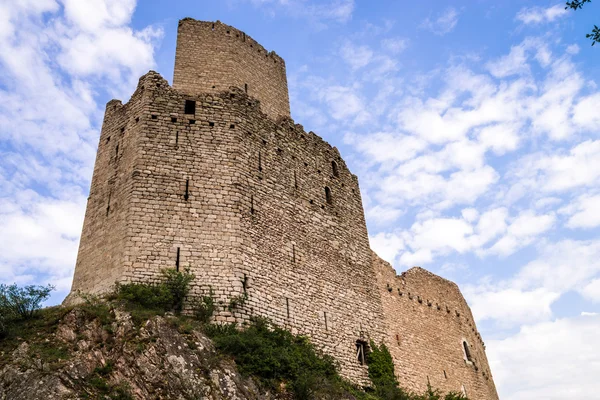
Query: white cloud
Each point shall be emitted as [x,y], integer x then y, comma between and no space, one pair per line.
[585,112]
[511,306]
[332,10]
[538,15]
[54,62]
[443,24]
[344,104]
[562,266]
[395,45]
[385,147]
[586,213]
[382,215]
[560,171]
[591,291]
[521,232]
[553,360]
[356,56]
[387,245]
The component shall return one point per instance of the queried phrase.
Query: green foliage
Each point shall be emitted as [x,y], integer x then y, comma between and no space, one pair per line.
[154,297]
[22,302]
[237,301]
[95,307]
[274,355]
[106,391]
[578,5]
[143,299]
[381,367]
[204,309]
[3,327]
[105,369]
[434,394]
[178,284]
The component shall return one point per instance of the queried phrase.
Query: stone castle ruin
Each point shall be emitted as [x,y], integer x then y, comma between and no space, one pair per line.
[211,173]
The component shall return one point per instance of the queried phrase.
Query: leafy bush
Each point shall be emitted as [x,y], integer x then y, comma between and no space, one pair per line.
[381,368]
[146,295]
[274,355]
[3,327]
[168,295]
[22,302]
[178,284]
[204,309]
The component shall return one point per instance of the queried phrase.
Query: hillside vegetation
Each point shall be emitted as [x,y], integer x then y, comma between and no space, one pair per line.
[137,344]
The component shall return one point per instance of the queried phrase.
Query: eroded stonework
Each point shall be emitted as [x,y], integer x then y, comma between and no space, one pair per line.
[212,174]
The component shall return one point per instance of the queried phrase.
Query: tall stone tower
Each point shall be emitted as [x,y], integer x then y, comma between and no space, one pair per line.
[212,174]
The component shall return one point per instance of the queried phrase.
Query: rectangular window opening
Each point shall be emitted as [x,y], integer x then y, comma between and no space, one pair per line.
[173,119]
[211,124]
[251,204]
[294,253]
[361,351]
[259,162]
[325,317]
[108,204]
[192,121]
[246,87]
[190,107]
[287,306]
[177,259]
[176,137]
[154,116]
[187,189]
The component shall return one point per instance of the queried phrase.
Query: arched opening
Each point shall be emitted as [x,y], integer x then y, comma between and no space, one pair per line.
[328,195]
[334,169]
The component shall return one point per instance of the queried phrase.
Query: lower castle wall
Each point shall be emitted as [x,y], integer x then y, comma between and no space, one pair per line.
[427,320]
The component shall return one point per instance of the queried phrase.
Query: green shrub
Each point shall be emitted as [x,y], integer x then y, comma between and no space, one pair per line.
[168,295]
[274,355]
[95,307]
[3,327]
[22,302]
[204,309]
[178,284]
[150,296]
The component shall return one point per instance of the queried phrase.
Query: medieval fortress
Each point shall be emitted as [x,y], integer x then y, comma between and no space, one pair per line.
[212,173]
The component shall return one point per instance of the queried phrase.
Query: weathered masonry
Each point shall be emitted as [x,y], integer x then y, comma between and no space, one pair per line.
[212,174]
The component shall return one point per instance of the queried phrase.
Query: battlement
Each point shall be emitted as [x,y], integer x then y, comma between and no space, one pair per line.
[211,56]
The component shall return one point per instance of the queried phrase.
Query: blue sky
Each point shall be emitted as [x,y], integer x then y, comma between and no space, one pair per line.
[473,127]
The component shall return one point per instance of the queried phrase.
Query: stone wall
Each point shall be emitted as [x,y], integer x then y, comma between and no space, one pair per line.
[427,321]
[212,56]
[105,232]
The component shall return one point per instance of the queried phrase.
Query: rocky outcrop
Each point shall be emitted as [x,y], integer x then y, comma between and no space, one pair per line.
[86,359]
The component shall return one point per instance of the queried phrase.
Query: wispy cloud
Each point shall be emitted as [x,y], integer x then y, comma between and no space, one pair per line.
[320,14]
[444,23]
[539,15]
